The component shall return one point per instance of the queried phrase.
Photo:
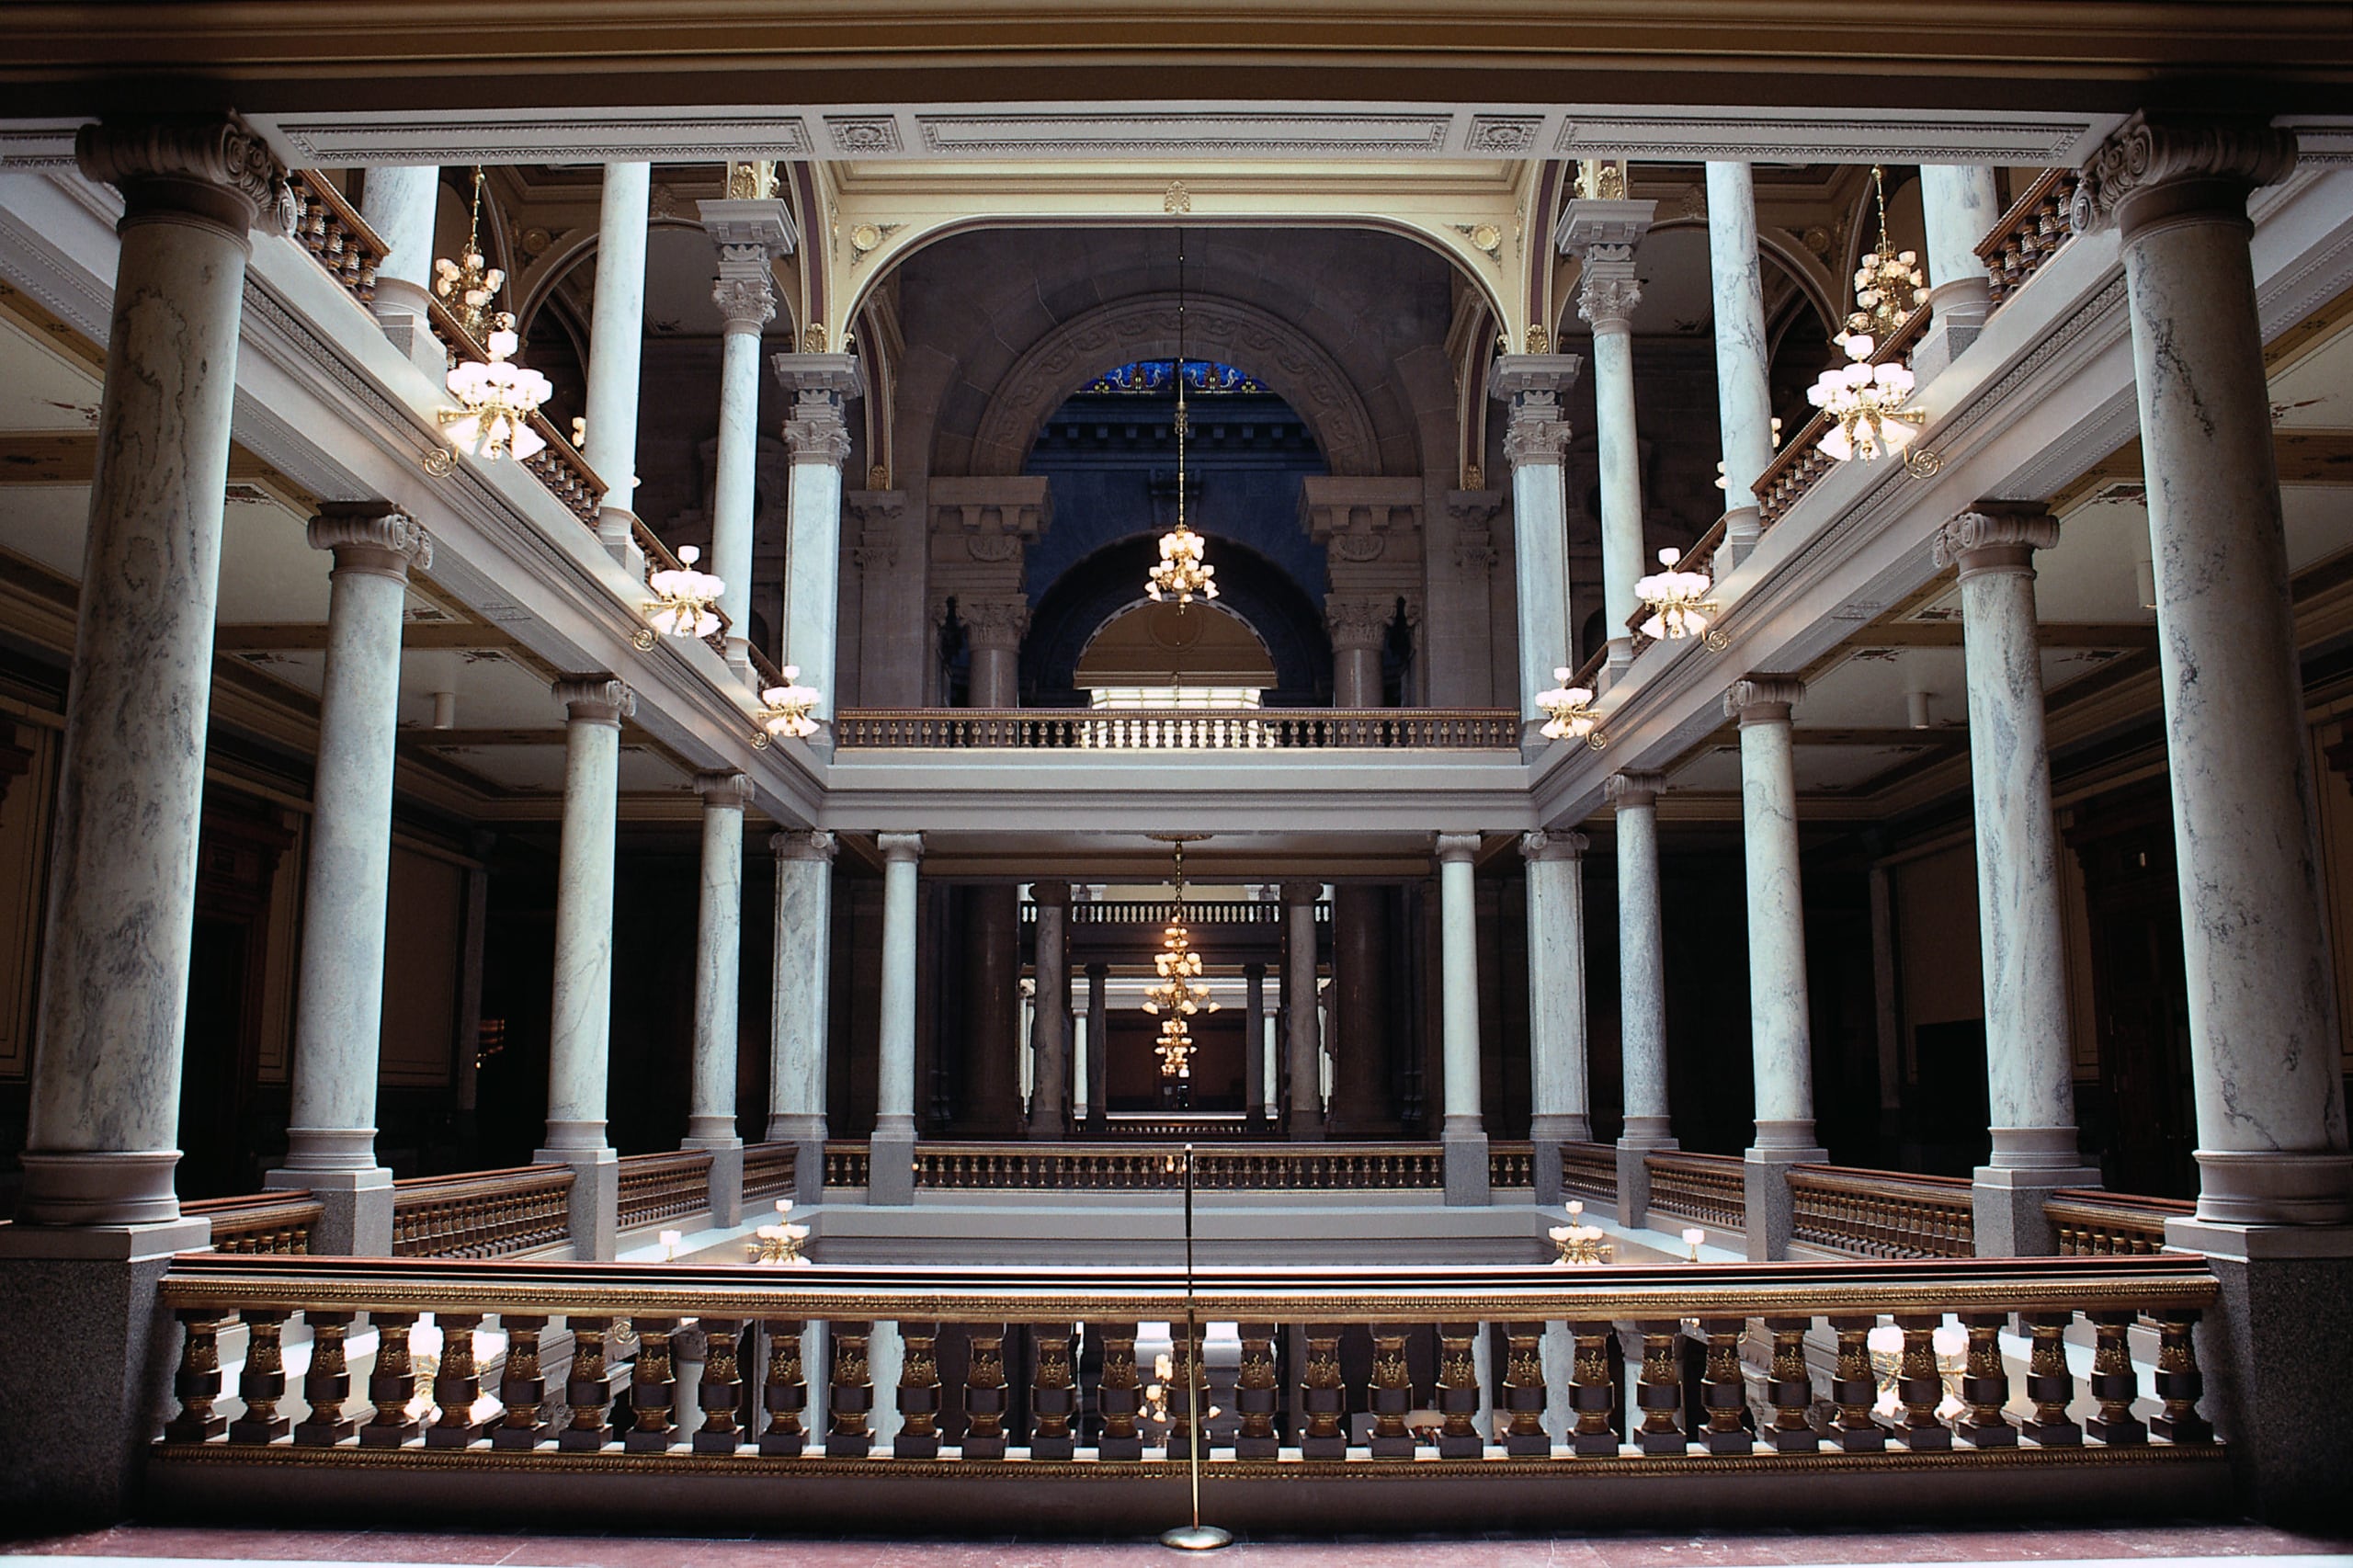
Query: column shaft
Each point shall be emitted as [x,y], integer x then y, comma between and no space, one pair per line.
[1304,1044]
[990,1104]
[1253,1044]
[734,491]
[800,988]
[818,437]
[1621,486]
[1641,990]
[1098,1044]
[719,970]
[1560,1101]
[1463,1133]
[400,203]
[1049,1030]
[1958,206]
[1360,1107]
[1744,401]
[889,1179]
[616,345]
[1531,385]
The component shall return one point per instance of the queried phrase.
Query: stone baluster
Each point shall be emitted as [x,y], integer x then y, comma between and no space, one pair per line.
[652,1389]
[1255,1393]
[719,961]
[456,1384]
[1391,1394]
[1642,989]
[984,1392]
[1524,1436]
[2180,1384]
[851,1396]
[1724,1392]
[1188,1390]
[1984,1386]
[800,989]
[1790,1387]
[751,233]
[401,203]
[391,1386]
[2048,1382]
[720,1394]
[196,1382]
[1560,1107]
[522,1386]
[616,349]
[1305,1041]
[1743,400]
[1458,1392]
[784,1393]
[1593,1394]
[2113,1382]
[1462,1135]
[587,1390]
[1053,1393]
[1854,1388]
[326,1386]
[1659,1395]
[262,1382]
[1118,1396]
[890,1177]
[1537,436]
[1322,1396]
[1050,1032]
[1919,1386]
[1603,232]
[817,435]
[1958,204]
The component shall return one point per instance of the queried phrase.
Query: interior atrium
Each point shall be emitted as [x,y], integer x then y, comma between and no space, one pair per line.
[913,774]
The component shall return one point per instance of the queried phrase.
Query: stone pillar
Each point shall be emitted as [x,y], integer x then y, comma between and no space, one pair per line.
[817,435]
[1253,1044]
[1360,1043]
[750,235]
[1744,401]
[800,989]
[1560,1106]
[339,1006]
[890,1177]
[1780,1034]
[402,202]
[1049,1033]
[1303,1051]
[616,346]
[1360,630]
[580,1041]
[1603,235]
[1099,1046]
[1958,206]
[718,979]
[1463,1134]
[990,1105]
[993,629]
[1642,989]
[2021,934]
[1531,386]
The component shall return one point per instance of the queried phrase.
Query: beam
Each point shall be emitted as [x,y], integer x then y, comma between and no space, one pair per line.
[419,636]
[2120,636]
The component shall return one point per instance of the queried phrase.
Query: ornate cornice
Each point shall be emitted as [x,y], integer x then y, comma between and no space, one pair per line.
[2011,527]
[1638,788]
[372,536]
[1552,845]
[596,699]
[802,844]
[1763,699]
[728,792]
[215,169]
[2159,167]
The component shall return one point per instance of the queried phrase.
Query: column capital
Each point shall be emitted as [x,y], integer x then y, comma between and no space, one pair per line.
[1636,787]
[1050,895]
[803,844]
[726,792]
[749,231]
[1453,847]
[1610,225]
[1297,892]
[993,622]
[1996,534]
[212,168]
[1553,844]
[1358,624]
[596,699]
[1764,699]
[1609,302]
[746,303]
[900,848]
[838,375]
[1516,379]
[2166,167]
[374,536]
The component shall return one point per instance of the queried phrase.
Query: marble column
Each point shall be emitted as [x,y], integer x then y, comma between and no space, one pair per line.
[1780,1034]
[817,436]
[993,629]
[800,989]
[1642,989]
[400,203]
[750,235]
[1744,401]
[718,981]
[1463,1134]
[1359,630]
[616,346]
[1098,1045]
[1603,233]
[1560,1103]
[1360,1043]
[891,1179]
[581,1026]
[1303,1053]
[1534,440]
[339,1001]
[1958,207]
[2021,931]
[1253,1044]
[1050,1034]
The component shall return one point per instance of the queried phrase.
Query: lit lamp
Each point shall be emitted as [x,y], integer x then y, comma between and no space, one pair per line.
[671,1241]
[468,285]
[1888,284]
[1180,574]
[1867,402]
[778,1246]
[1678,603]
[496,401]
[787,713]
[1692,1237]
[1580,1243]
[1568,712]
[683,597]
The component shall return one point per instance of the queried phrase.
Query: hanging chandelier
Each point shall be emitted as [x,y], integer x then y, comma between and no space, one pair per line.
[1888,284]
[789,713]
[467,285]
[1181,573]
[1678,603]
[1174,1047]
[1866,402]
[1568,712]
[1180,992]
[683,597]
[496,400]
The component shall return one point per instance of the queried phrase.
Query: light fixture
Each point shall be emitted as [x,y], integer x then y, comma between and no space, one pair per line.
[681,603]
[1692,1237]
[1180,992]
[1568,712]
[778,1246]
[1888,284]
[1867,402]
[466,286]
[1678,603]
[787,715]
[1174,1048]
[1581,1244]
[496,400]
[1181,575]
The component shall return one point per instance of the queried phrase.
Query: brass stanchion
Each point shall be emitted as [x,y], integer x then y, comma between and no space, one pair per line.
[1197,1536]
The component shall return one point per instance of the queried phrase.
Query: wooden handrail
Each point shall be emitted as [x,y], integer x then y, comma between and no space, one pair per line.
[654,1187]
[2022,239]
[1178,729]
[275,1223]
[1707,1188]
[558,465]
[1882,1213]
[482,1214]
[2091,1222]
[336,235]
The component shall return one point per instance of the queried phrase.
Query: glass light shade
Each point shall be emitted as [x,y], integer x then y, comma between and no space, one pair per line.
[790,707]
[496,401]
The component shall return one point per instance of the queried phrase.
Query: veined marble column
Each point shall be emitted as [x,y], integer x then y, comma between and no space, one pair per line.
[1304,1043]
[750,235]
[1253,1044]
[1603,235]
[616,346]
[1744,401]
[1780,1034]
[1958,206]
[800,989]
[1463,1134]
[719,979]
[817,435]
[2022,932]
[1531,386]
[1561,1102]
[891,1175]
[105,1089]
[400,203]
[339,1005]
[1642,989]
[580,1039]
[1359,630]
[1099,1046]
[1049,1033]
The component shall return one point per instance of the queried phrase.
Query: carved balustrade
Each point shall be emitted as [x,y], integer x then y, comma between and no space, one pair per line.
[2030,233]
[2092,1223]
[482,1214]
[1589,1170]
[846,1165]
[654,1187]
[768,1171]
[1882,1213]
[1511,1165]
[336,235]
[277,1223]
[1706,1187]
[1178,729]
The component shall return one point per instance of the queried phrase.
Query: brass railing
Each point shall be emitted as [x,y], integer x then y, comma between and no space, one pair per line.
[654,1187]
[277,1223]
[1511,1165]
[768,1172]
[1589,1170]
[2030,233]
[1706,1187]
[846,1164]
[2093,1224]
[482,1214]
[1159,912]
[557,466]
[1882,1213]
[1179,729]
[336,235]
[1801,462]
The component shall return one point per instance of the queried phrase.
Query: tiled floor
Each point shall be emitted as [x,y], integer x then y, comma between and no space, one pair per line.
[2184,1546]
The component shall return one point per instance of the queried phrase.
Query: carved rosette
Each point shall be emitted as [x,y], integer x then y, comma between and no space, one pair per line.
[2159,165]
[1764,699]
[802,844]
[372,536]
[1634,789]
[724,791]
[596,699]
[1549,844]
[214,168]
[1994,534]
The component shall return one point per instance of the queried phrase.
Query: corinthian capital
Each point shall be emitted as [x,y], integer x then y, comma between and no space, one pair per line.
[817,432]
[1358,623]
[1609,301]
[994,623]
[214,167]
[2009,528]
[746,303]
[2164,166]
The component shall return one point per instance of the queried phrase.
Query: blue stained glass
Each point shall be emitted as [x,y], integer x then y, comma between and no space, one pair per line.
[1145,377]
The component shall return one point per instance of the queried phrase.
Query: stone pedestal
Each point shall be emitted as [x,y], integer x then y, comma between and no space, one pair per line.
[800,990]
[1049,1030]
[1538,434]
[400,203]
[719,957]
[1463,1133]
[750,235]
[1303,1043]
[1603,234]
[1642,989]
[891,1179]
[817,435]
[1560,1107]
[616,349]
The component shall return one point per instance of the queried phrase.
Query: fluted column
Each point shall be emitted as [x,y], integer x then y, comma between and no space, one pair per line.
[750,235]
[1049,1030]
[400,203]
[800,988]
[105,1089]
[1744,401]
[1463,1134]
[339,1005]
[718,978]
[891,1179]
[580,1041]
[1958,205]
[616,346]
[1603,233]
[1534,440]
[1780,1035]
[1561,1101]
[817,435]
[1303,1043]
[1642,988]
[2021,931]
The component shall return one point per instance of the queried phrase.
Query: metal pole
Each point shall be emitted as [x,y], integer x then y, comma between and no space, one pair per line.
[1197,1536]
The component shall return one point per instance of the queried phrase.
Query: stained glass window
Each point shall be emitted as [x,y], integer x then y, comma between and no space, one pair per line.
[1145,377]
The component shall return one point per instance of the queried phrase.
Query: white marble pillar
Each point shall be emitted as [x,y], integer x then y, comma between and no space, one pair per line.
[1050,1034]
[1463,1134]
[2022,932]
[1603,234]
[1534,440]
[890,1177]
[2263,1024]
[400,203]
[1303,1056]
[339,1002]
[616,346]
[817,435]
[1359,630]
[1559,1104]
[800,988]
[1642,988]
[1780,1034]
[581,1022]
[1958,207]
[719,979]
[750,235]
[106,1088]
[1744,401]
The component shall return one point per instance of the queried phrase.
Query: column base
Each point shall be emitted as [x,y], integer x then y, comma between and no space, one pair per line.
[1768,1210]
[891,1167]
[595,1197]
[617,531]
[106,1187]
[1742,527]
[2006,1206]
[726,1171]
[1546,1135]
[356,1218]
[1465,1155]
[399,308]
[2268,1187]
[1633,1176]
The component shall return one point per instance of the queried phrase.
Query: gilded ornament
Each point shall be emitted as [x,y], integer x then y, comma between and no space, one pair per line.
[1176,198]
[865,237]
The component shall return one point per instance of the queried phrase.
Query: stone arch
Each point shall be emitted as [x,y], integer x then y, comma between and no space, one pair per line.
[1285,358]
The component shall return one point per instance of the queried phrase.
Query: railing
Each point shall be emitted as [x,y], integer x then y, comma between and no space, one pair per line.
[341,241]
[1179,729]
[768,1172]
[1194,1126]
[482,1214]
[1272,1167]
[557,466]
[1081,1340]
[660,557]
[846,1164]
[1801,462]
[655,1187]
[1590,1170]
[2030,233]
[277,1223]
[1511,1165]
[2092,1223]
[1707,1188]
[1159,912]
[1882,1213]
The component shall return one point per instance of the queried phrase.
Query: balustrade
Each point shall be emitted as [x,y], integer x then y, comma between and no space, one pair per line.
[1178,729]
[276,1222]
[558,466]
[1882,1213]
[1706,1187]
[1339,1167]
[2092,1223]
[2030,233]
[1589,1170]
[654,1187]
[336,235]
[768,1173]
[483,1213]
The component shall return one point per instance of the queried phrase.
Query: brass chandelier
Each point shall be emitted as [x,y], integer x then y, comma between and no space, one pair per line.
[1181,573]
[468,286]
[1888,284]
[1179,994]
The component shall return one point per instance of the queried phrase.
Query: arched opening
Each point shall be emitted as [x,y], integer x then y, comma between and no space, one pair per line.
[1168,655]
